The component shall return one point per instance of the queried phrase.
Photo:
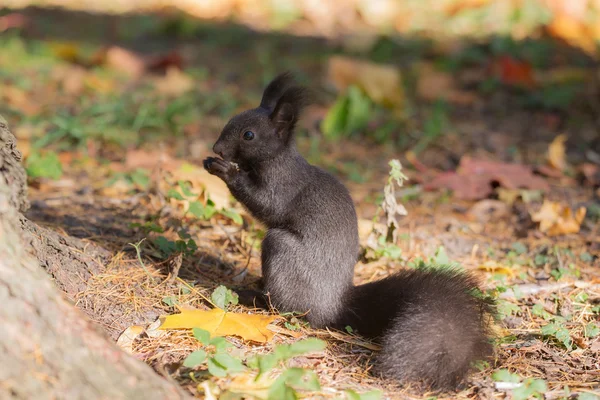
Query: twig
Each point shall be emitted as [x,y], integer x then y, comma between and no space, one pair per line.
[139,257]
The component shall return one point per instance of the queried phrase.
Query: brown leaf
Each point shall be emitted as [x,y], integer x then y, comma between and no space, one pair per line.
[434,84]
[125,61]
[591,173]
[557,219]
[474,179]
[174,83]
[125,341]
[382,83]
[556,152]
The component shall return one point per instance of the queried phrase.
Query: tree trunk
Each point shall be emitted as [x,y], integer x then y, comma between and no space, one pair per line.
[49,349]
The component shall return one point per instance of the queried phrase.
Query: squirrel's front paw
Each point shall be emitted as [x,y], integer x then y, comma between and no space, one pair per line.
[221,168]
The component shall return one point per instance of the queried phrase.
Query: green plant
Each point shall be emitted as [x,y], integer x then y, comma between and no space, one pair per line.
[521,389]
[43,165]
[270,370]
[349,114]
[223,297]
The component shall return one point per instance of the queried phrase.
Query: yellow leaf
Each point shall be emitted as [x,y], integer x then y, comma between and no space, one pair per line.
[68,51]
[382,83]
[557,219]
[220,323]
[496,268]
[556,152]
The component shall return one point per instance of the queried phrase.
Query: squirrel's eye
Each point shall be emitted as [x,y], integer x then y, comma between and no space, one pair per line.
[248,135]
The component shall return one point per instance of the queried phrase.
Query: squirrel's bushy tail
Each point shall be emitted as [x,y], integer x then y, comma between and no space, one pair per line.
[431,323]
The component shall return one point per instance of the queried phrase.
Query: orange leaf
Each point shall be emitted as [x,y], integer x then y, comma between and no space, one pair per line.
[220,323]
[556,152]
[513,72]
[556,219]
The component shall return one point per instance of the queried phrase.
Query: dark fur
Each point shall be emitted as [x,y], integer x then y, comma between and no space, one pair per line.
[429,324]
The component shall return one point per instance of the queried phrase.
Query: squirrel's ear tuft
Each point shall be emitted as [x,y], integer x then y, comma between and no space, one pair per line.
[288,109]
[275,90]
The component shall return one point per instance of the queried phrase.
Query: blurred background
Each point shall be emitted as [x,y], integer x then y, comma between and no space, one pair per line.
[492,107]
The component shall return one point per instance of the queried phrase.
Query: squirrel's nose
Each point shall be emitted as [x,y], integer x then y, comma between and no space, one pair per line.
[217,149]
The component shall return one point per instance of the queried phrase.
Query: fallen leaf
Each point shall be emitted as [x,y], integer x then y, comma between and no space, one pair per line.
[126,339]
[125,61]
[163,62]
[591,173]
[475,179]
[511,71]
[509,196]
[13,20]
[557,219]
[174,83]
[200,179]
[366,226]
[573,31]
[434,84]
[489,210]
[68,51]
[494,267]
[556,152]
[19,99]
[382,83]
[220,323]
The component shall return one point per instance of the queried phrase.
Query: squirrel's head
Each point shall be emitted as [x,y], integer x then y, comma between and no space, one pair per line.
[262,133]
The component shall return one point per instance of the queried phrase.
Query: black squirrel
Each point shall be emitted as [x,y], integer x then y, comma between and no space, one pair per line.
[431,326]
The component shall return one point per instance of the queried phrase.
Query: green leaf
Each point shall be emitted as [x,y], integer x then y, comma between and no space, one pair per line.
[233,215]
[196,209]
[201,335]
[539,311]
[267,362]
[283,387]
[372,395]
[519,248]
[504,375]
[194,359]
[530,387]
[506,308]
[220,343]
[170,300]
[441,258]
[222,297]
[166,247]
[591,330]
[43,165]
[280,391]
[560,332]
[334,123]
[307,346]
[587,396]
[302,379]
[216,369]
[174,194]
[185,188]
[140,178]
[229,363]
[359,110]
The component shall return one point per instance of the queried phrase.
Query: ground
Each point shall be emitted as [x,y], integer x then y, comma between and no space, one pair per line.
[108,134]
